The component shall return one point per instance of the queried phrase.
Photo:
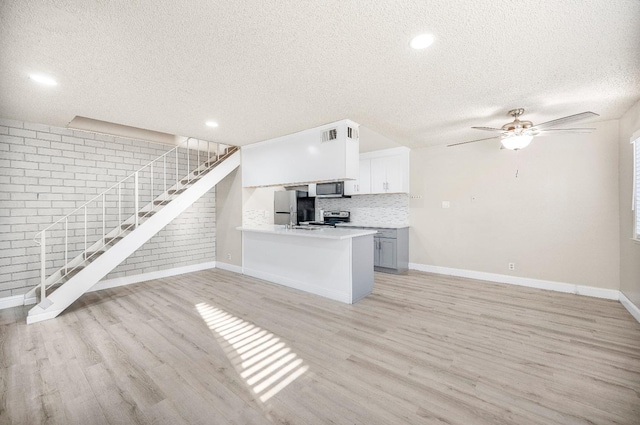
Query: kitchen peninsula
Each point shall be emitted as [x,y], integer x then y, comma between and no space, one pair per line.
[330,262]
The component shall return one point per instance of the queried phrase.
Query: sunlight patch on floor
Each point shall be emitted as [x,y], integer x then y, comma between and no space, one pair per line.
[265,362]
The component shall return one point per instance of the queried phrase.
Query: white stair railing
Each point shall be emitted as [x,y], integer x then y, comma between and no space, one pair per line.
[84,233]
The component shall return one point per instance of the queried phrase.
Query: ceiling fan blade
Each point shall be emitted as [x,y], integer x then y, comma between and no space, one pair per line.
[487,128]
[472,141]
[564,120]
[566,130]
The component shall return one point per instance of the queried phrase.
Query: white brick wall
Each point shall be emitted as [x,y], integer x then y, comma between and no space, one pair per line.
[47,172]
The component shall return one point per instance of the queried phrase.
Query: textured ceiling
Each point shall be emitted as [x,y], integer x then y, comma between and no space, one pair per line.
[265,68]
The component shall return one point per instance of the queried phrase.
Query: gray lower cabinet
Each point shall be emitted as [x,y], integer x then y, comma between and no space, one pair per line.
[387,253]
[390,250]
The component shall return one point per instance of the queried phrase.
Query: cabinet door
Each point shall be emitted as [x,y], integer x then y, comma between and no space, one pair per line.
[387,252]
[395,174]
[351,187]
[364,182]
[362,186]
[378,175]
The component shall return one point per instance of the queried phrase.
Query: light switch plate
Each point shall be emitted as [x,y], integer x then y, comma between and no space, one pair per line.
[446,204]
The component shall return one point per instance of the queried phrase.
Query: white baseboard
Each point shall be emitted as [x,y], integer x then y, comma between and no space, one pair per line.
[12,301]
[590,291]
[128,280]
[631,307]
[229,267]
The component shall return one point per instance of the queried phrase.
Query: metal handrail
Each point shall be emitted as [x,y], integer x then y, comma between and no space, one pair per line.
[114,186]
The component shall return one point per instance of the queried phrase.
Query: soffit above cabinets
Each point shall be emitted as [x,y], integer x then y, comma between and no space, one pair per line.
[325,153]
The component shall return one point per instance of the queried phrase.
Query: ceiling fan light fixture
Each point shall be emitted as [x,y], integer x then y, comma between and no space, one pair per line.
[516,142]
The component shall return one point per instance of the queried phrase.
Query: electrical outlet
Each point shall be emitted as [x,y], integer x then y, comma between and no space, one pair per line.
[512,266]
[229,256]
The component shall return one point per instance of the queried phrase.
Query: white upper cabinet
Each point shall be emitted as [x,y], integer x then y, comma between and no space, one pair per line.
[362,186]
[388,175]
[384,171]
[321,154]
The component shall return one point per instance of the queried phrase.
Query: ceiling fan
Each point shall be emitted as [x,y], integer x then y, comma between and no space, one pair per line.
[518,134]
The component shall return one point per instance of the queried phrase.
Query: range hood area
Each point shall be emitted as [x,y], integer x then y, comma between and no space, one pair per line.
[322,190]
[329,153]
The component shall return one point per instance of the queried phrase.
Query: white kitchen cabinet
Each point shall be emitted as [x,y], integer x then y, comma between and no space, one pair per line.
[362,186]
[396,170]
[389,170]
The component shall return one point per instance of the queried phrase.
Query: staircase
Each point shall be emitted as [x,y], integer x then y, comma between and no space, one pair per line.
[80,249]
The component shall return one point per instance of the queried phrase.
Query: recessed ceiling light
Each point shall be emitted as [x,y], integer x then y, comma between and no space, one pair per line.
[212,124]
[43,79]
[421,41]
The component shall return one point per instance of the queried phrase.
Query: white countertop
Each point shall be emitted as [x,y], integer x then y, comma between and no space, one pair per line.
[373,225]
[320,232]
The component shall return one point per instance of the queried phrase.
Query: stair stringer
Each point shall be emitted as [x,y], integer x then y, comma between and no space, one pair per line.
[71,290]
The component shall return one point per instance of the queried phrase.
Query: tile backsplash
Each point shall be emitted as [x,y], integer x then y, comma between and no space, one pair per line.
[391,209]
[256,218]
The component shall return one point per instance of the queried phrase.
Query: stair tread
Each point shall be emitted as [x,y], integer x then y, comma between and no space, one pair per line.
[66,276]
[186,181]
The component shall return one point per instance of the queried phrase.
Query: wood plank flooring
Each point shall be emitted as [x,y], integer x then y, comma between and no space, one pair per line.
[215,347]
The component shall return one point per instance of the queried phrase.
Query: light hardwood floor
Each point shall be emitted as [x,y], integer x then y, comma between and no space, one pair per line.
[215,347]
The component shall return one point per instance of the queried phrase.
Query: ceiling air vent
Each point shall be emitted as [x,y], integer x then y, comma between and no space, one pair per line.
[352,133]
[329,135]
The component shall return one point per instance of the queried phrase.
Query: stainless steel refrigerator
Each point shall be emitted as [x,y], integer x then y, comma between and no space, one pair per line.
[292,201]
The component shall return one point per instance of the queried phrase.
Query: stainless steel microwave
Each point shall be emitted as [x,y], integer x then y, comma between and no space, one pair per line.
[330,190]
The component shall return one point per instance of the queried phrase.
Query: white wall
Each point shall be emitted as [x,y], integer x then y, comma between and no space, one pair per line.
[228,218]
[257,205]
[629,250]
[557,220]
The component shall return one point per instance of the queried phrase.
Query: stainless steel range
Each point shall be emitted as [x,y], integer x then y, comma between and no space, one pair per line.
[331,218]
